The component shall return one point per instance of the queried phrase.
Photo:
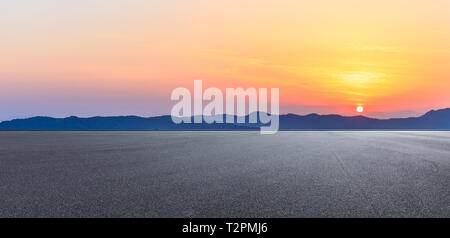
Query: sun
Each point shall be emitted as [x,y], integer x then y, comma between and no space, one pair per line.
[360,109]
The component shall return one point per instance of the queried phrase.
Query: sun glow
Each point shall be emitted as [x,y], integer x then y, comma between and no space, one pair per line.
[59,56]
[360,109]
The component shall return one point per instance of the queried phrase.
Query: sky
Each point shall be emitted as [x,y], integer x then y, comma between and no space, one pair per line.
[124,57]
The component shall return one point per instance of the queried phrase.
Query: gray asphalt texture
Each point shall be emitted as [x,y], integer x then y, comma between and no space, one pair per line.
[225,174]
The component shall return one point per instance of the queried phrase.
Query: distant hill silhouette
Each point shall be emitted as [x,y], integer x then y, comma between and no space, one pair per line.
[432,120]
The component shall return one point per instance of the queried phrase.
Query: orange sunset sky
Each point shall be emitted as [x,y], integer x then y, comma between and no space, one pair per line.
[124,57]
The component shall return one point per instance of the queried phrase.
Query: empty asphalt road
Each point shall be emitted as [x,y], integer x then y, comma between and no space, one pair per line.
[225,174]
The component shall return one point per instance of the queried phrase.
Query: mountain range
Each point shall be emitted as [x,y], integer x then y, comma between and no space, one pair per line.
[432,120]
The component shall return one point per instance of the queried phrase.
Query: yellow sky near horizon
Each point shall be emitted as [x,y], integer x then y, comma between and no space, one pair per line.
[384,55]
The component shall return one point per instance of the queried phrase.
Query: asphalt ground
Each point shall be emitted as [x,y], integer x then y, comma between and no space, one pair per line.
[225,174]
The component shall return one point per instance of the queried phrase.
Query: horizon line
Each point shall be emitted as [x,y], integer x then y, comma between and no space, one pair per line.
[246,115]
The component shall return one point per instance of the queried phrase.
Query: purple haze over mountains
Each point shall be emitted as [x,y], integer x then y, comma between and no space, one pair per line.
[432,120]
